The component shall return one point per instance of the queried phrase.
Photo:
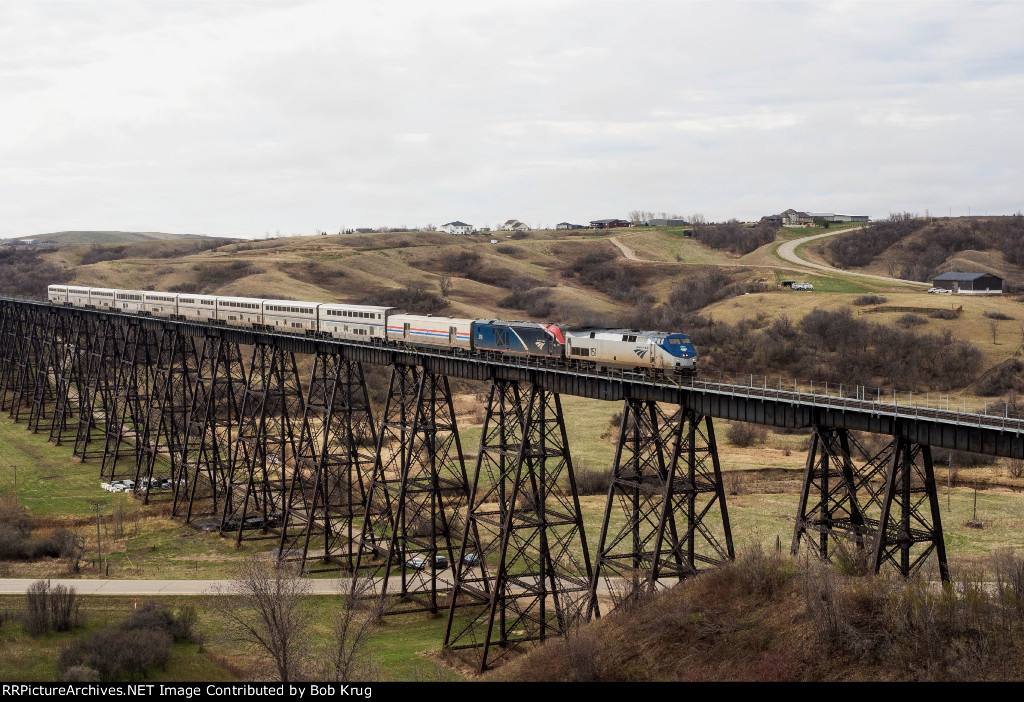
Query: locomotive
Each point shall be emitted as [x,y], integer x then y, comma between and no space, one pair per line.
[599,349]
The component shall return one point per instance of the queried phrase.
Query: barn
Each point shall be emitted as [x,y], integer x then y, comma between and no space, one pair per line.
[969,282]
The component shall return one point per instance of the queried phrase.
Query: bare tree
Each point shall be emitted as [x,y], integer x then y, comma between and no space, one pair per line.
[445,283]
[263,609]
[993,327]
[361,612]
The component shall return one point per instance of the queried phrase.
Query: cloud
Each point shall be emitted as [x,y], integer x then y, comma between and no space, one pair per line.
[241,118]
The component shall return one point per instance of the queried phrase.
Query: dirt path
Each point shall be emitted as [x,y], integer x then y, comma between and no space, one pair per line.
[787,251]
[628,252]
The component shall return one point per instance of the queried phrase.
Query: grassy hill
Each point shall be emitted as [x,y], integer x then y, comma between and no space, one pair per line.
[772,618]
[77,238]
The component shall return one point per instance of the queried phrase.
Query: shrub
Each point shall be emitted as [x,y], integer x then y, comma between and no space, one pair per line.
[104,252]
[216,275]
[64,607]
[116,654]
[870,300]
[997,315]
[590,481]
[860,248]
[911,320]
[944,314]
[25,272]
[734,236]
[413,298]
[36,619]
[743,434]
[49,608]
[156,615]
[1001,379]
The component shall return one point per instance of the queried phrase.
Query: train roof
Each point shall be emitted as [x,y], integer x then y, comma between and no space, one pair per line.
[580,331]
[516,321]
[351,306]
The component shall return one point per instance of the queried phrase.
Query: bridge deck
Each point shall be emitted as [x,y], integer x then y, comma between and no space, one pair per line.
[967,431]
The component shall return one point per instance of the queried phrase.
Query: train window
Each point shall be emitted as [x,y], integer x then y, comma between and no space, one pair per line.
[675,341]
[580,352]
[628,338]
[591,335]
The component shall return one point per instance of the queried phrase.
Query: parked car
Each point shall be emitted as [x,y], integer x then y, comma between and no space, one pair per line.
[441,562]
[416,563]
[802,286]
[940,291]
[471,560]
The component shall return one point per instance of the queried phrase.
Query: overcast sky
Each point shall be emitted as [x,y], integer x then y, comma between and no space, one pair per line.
[243,118]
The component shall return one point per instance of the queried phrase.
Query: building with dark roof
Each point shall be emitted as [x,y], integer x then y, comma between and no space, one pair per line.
[969,282]
[608,223]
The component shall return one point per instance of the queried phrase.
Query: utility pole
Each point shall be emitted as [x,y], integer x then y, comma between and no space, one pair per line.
[96,507]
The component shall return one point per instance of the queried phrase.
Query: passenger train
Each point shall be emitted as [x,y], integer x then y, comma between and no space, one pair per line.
[626,349]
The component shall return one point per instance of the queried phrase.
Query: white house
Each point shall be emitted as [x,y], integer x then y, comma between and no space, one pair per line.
[514,225]
[457,227]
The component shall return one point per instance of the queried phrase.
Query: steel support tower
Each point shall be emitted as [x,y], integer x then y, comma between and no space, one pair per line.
[324,506]
[667,484]
[211,430]
[524,569]
[266,448]
[418,494]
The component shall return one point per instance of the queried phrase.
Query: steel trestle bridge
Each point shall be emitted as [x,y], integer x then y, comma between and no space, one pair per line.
[217,421]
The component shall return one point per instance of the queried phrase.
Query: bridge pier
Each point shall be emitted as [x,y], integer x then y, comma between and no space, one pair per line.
[161,432]
[43,398]
[418,493]
[667,483]
[15,324]
[131,395]
[895,488]
[327,494]
[266,446]
[525,523]
[836,519]
[907,534]
[67,380]
[214,416]
[26,365]
[98,348]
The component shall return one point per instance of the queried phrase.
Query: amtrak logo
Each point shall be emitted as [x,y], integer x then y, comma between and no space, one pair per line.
[640,352]
[539,343]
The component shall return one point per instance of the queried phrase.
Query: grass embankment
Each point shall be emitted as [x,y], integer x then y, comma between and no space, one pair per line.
[769,618]
[403,648]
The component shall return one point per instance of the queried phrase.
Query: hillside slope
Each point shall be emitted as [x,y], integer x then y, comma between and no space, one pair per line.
[771,618]
[78,238]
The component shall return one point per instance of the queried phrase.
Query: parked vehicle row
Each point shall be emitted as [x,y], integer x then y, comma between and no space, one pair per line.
[129,485]
[660,352]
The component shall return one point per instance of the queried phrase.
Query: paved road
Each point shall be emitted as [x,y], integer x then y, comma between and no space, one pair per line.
[788,252]
[18,586]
